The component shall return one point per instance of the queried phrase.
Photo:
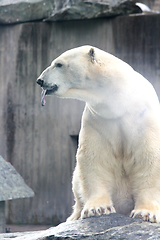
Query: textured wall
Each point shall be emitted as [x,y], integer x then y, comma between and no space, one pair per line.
[13,11]
[35,139]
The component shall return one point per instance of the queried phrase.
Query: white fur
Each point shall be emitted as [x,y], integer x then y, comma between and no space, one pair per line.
[118,158]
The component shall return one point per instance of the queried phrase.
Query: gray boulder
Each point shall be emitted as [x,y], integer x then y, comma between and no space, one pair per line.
[113,226]
[94,9]
[12,185]
[16,11]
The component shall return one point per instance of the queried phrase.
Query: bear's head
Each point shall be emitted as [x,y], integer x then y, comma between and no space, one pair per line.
[70,74]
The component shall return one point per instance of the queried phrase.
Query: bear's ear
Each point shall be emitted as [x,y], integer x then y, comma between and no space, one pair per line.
[92,54]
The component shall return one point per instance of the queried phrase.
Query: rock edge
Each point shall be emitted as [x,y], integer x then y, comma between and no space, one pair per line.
[18,11]
[113,226]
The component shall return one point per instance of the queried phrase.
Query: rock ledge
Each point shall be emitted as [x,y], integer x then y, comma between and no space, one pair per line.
[113,226]
[18,11]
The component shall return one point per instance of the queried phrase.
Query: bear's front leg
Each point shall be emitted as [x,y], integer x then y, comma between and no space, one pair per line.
[91,195]
[146,193]
[92,185]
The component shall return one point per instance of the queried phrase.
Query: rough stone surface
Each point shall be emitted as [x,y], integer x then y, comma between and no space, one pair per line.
[15,11]
[94,9]
[113,226]
[12,185]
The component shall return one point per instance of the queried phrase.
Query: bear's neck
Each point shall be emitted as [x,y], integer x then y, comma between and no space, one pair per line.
[104,111]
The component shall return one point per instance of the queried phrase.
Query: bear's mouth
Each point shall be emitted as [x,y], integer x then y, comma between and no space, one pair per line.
[51,89]
[47,92]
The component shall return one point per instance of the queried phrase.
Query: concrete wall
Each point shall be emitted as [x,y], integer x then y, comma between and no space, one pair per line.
[2,217]
[37,140]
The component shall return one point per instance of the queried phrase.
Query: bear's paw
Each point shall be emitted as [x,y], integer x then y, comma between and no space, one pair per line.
[96,208]
[146,215]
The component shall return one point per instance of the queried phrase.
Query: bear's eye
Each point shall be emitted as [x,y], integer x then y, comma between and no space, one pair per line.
[59,65]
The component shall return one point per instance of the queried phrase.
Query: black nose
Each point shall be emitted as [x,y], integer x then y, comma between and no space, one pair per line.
[40,82]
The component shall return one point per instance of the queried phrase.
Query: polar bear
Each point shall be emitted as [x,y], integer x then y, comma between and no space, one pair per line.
[118,157]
